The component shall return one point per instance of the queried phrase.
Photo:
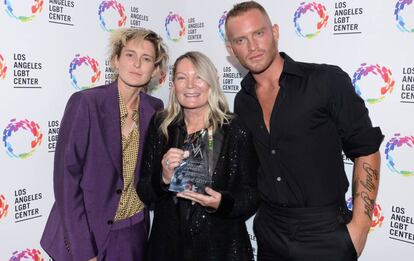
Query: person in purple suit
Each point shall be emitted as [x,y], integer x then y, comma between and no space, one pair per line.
[97,214]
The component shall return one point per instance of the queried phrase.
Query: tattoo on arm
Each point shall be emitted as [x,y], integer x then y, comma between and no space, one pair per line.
[361,188]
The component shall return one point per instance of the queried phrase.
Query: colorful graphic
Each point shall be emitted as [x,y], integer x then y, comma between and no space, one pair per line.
[35,9]
[17,127]
[158,81]
[313,8]
[377,217]
[28,254]
[119,8]
[90,63]
[4,207]
[3,68]
[399,142]
[401,4]
[376,70]
[174,33]
[221,28]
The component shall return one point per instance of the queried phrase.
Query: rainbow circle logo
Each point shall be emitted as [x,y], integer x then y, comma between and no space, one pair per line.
[4,207]
[401,4]
[313,7]
[376,69]
[398,142]
[28,254]
[173,33]
[377,217]
[17,126]
[3,68]
[119,8]
[221,28]
[81,61]
[35,9]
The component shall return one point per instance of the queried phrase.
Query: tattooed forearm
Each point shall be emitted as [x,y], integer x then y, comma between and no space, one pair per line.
[362,188]
[368,204]
[371,177]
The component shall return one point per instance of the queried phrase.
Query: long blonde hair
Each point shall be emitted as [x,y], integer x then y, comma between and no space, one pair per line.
[218,112]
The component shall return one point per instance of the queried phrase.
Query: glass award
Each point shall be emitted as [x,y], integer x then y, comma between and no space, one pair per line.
[193,172]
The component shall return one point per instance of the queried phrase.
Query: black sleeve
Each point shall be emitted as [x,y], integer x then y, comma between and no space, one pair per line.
[242,200]
[351,116]
[149,186]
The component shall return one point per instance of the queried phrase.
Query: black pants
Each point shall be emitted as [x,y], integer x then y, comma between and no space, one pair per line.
[303,234]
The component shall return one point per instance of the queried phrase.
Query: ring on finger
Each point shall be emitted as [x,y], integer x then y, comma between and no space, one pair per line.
[167,162]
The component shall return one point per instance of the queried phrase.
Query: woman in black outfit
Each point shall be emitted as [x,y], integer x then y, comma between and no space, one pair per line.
[210,224]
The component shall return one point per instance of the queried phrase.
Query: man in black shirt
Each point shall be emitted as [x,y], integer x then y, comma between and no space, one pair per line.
[302,117]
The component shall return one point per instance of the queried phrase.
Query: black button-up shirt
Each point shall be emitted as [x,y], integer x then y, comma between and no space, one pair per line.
[316,116]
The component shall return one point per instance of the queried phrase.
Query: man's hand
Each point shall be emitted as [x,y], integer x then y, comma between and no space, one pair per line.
[358,235]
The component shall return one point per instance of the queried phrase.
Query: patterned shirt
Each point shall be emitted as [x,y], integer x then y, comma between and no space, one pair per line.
[129,204]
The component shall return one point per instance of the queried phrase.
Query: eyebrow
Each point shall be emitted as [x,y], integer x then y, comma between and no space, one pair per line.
[132,51]
[255,31]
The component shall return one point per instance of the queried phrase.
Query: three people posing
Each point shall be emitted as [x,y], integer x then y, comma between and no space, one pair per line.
[301,117]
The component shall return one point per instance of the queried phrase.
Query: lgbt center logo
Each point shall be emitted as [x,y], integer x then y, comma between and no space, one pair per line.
[84,72]
[377,76]
[28,254]
[310,19]
[107,19]
[400,7]
[174,27]
[4,207]
[399,153]
[377,217]
[23,12]
[21,138]
[3,68]
[221,28]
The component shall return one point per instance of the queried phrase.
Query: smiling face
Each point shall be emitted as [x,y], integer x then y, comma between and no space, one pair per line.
[135,64]
[253,40]
[191,90]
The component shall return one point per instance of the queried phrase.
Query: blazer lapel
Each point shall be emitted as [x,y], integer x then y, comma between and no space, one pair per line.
[146,110]
[112,125]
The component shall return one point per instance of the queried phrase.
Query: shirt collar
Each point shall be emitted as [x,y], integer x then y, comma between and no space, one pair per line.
[290,67]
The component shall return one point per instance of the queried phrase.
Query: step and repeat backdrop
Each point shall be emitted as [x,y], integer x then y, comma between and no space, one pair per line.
[51,49]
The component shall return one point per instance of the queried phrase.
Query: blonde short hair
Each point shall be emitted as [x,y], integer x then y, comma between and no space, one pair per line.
[120,37]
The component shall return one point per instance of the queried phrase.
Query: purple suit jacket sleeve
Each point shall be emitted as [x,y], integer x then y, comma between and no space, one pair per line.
[68,171]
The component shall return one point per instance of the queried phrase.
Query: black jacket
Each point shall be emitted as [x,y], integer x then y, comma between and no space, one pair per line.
[182,231]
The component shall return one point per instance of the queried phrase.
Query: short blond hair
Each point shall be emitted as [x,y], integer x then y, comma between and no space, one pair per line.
[120,37]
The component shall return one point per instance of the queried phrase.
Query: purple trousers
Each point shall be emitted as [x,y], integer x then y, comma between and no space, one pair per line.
[127,240]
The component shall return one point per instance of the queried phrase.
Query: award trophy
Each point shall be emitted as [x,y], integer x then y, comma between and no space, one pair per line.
[193,172]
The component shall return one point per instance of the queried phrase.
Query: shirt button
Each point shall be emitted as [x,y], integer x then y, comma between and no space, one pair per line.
[273,152]
[118,191]
[279,179]
[110,222]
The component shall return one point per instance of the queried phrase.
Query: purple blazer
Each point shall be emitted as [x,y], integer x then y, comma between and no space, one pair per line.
[88,172]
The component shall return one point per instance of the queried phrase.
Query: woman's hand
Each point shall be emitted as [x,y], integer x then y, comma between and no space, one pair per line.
[172,159]
[211,200]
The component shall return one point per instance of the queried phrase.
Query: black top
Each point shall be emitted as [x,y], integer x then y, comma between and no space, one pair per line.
[316,116]
[182,231]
